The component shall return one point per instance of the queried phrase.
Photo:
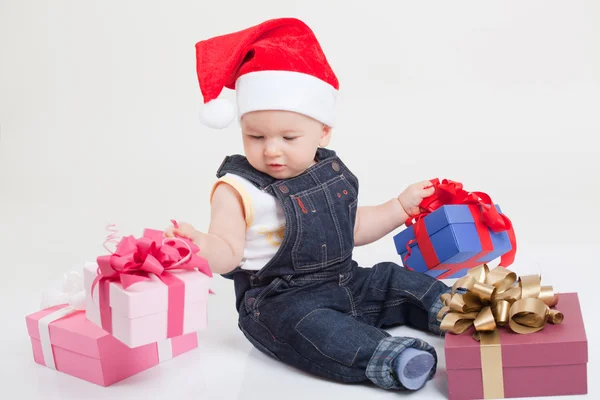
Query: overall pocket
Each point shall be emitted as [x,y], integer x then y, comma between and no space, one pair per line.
[325,218]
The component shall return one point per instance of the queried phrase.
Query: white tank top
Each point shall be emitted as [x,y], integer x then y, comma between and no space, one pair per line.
[265,221]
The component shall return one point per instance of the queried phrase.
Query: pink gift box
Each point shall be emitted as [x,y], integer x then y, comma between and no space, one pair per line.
[75,346]
[550,362]
[142,313]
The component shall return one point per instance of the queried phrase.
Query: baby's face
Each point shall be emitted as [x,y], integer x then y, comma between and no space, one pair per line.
[282,144]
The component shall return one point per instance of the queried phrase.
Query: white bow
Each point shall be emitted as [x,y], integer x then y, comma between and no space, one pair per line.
[72,292]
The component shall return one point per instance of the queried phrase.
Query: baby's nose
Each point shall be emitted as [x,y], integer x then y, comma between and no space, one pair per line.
[271,150]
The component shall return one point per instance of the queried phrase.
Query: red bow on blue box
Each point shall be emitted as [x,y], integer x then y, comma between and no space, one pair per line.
[456,230]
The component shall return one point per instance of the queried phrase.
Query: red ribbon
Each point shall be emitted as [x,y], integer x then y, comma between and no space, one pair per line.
[135,259]
[486,217]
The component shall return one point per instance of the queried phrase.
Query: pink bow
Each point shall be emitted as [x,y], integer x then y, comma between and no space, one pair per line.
[134,258]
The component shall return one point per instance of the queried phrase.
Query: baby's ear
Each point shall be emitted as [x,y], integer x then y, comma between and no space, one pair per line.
[325,136]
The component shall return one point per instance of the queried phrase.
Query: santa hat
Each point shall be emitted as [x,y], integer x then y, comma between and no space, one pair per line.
[276,65]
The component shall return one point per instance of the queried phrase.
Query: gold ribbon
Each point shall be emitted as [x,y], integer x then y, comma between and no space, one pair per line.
[495,299]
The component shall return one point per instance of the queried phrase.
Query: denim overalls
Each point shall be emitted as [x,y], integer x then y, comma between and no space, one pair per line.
[312,306]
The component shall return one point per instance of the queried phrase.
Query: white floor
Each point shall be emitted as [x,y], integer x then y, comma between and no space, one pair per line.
[225,366]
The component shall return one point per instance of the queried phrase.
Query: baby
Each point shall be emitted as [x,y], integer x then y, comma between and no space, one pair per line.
[284,220]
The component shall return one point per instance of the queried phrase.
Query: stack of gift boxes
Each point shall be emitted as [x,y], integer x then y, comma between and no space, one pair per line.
[131,310]
[505,336]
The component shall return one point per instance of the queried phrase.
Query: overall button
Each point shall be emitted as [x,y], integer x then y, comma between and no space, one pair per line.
[284,189]
[335,166]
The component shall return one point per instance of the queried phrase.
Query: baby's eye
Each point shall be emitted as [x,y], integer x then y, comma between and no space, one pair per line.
[256,137]
[290,137]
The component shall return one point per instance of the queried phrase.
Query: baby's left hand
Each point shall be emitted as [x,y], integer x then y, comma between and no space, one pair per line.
[183,229]
[412,196]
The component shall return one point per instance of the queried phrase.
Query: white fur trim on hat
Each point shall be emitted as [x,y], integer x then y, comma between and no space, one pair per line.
[286,90]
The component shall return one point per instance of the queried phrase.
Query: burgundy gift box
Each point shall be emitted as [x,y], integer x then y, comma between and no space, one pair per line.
[551,362]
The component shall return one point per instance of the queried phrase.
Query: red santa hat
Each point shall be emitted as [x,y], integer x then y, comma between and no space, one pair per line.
[276,65]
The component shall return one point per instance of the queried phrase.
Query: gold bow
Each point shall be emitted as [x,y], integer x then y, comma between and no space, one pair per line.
[493,299]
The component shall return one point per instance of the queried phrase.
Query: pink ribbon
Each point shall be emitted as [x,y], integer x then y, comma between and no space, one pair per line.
[135,259]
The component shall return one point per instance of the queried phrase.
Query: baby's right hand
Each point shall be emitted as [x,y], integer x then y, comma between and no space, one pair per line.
[411,198]
[183,230]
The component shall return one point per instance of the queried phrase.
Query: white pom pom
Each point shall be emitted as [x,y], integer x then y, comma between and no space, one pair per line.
[217,113]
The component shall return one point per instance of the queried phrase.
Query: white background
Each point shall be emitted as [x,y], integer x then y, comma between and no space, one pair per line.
[99,124]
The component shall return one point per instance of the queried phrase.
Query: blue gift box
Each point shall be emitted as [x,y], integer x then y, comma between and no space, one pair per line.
[452,231]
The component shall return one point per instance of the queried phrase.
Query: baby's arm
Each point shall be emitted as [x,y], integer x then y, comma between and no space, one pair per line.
[374,222]
[223,245]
